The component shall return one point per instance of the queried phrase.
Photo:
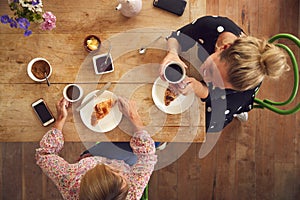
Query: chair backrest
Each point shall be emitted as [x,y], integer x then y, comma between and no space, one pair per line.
[272,105]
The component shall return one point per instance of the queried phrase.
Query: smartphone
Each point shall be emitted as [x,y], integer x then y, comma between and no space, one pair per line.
[43,112]
[174,6]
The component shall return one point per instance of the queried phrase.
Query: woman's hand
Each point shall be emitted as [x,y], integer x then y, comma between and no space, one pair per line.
[129,109]
[190,84]
[62,113]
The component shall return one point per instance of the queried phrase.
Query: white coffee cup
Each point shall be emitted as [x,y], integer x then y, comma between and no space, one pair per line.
[174,72]
[37,67]
[73,92]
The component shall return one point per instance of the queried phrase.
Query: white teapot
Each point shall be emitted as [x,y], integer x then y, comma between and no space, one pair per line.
[129,8]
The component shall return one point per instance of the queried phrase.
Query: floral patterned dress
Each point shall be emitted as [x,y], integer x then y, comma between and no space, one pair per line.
[67,176]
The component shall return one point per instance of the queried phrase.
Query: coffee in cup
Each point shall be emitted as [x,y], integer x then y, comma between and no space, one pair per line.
[38,69]
[72,92]
[174,72]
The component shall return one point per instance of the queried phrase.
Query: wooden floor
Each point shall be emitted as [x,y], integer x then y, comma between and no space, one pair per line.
[259,159]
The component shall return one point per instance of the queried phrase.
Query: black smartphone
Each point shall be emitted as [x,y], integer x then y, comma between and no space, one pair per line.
[174,6]
[43,112]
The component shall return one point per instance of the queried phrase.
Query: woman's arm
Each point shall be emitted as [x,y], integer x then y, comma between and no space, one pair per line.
[143,146]
[51,144]
[53,141]
[47,159]
[62,113]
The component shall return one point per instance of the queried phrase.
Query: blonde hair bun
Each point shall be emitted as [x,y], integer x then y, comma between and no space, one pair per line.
[251,59]
[273,60]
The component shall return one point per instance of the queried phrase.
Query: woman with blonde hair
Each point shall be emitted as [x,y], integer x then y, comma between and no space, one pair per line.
[96,177]
[110,186]
[234,66]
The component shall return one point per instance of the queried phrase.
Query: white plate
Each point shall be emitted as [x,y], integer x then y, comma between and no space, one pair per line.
[106,124]
[179,105]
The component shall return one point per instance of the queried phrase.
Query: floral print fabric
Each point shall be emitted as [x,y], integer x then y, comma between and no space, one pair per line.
[67,176]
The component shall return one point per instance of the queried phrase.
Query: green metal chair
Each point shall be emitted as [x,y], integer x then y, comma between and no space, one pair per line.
[272,105]
[145,194]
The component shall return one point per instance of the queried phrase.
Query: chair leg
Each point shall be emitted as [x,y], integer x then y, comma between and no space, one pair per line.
[145,194]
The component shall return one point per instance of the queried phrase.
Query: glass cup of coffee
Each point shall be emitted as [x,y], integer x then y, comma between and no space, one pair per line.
[174,72]
[72,93]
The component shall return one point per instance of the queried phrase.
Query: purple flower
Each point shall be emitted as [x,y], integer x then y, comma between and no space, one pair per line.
[23,23]
[35,2]
[33,10]
[27,33]
[5,19]
[49,21]
[13,23]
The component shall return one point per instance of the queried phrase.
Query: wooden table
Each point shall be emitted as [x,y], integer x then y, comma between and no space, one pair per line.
[72,64]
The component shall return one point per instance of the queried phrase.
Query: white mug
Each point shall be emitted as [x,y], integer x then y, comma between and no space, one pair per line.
[37,67]
[174,72]
[73,92]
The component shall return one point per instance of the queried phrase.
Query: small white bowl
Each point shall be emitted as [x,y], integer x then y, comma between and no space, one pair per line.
[97,60]
[29,69]
[66,96]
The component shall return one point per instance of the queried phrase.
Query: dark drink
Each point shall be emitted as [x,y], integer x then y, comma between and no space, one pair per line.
[174,73]
[39,68]
[104,67]
[73,92]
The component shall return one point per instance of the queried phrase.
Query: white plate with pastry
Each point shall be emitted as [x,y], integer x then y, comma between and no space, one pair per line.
[169,102]
[101,114]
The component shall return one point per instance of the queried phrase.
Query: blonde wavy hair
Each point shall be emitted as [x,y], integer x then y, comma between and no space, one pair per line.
[251,59]
[101,183]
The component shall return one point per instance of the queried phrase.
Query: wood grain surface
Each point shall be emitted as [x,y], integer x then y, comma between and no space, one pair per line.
[63,47]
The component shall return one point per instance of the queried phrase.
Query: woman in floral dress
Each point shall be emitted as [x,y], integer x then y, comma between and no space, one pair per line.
[98,177]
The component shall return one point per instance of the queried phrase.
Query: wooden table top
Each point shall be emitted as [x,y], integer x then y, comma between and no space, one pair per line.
[133,77]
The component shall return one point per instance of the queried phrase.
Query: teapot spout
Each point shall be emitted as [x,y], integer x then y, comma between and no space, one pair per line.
[119,7]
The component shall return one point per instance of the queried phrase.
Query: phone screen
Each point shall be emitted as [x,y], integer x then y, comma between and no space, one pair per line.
[43,112]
